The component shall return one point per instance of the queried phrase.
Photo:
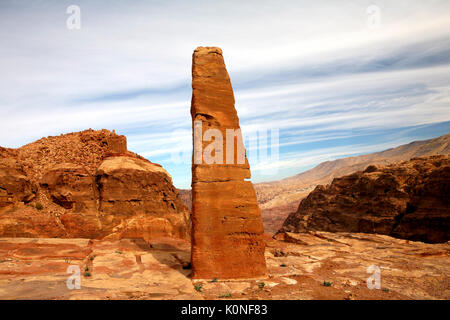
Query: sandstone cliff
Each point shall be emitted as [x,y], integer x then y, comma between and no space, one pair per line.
[86,185]
[408,200]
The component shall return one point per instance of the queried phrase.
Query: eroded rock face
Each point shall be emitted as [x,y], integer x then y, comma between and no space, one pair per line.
[14,184]
[227,230]
[137,198]
[71,187]
[22,221]
[87,185]
[408,200]
[297,267]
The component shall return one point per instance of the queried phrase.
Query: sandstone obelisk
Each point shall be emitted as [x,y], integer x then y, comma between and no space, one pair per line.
[227,230]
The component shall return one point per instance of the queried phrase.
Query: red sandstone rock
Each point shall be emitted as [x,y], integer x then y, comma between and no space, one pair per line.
[71,187]
[87,185]
[138,200]
[227,230]
[408,200]
[14,185]
[26,222]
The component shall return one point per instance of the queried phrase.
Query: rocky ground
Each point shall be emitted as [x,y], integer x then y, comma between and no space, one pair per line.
[87,185]
[317,265]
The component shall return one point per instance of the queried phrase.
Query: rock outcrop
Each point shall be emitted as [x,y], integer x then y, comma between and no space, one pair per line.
[408,200]
[130,189]
[227,230]
[277,199]
[71,187]
[87,185]
[14,184]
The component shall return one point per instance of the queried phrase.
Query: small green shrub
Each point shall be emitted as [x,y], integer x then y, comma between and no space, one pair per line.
[214,280]
[87,274]
[39,206]
[198,287]
[227,295]
[283,265]
[327,283]
[261,285]
[386,290]
[118,251]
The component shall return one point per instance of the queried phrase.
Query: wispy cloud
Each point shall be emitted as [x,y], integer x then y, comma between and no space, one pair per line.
[332,86]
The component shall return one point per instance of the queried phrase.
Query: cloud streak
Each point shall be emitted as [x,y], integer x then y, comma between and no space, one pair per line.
[314,71]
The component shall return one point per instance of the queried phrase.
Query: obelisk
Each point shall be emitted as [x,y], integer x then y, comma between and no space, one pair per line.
[227,230]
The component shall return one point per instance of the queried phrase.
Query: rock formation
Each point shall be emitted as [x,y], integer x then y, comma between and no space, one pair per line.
[298,267]
[87,185]
[408,200]
[130,189]
[14,184]
[227,230]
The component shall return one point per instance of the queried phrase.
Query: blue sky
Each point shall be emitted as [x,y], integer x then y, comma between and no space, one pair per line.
[331,85]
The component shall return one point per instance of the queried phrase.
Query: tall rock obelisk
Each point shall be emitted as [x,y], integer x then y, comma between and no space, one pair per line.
[227,230]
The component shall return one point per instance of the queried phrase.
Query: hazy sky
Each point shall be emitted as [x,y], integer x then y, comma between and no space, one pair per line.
[332,81]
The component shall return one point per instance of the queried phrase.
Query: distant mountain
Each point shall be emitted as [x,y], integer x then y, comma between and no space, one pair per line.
[279,198]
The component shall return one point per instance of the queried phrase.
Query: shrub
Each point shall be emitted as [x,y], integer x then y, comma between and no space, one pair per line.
[327,283]
[198,287]
[227,295]
[261,285]
[39,206]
